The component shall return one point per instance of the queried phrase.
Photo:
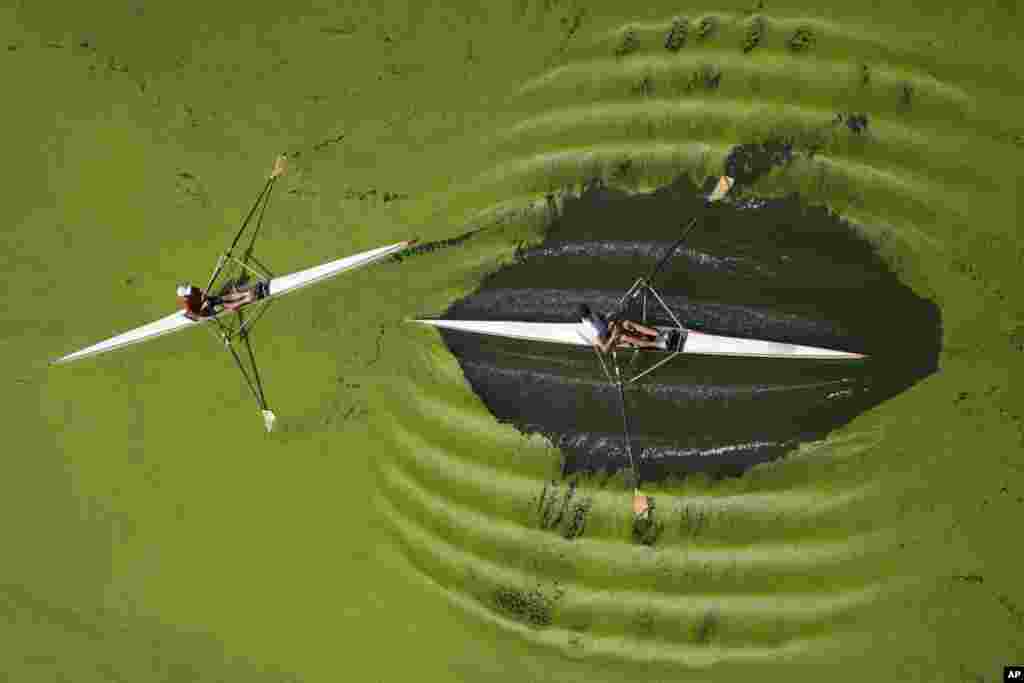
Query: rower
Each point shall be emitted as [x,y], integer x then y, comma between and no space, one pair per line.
[605,333]
[197,304]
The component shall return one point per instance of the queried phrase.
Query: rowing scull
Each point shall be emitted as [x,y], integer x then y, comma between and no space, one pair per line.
[693,342]
[235,325]
[279,286]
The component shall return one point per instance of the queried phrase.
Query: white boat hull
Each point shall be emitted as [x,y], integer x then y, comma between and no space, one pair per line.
[279,286]
[695,343]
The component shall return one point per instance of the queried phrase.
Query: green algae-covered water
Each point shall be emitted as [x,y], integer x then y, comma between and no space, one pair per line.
[394,529]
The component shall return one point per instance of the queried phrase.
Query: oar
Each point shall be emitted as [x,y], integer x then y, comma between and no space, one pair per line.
[671,250]
[725,184]
[280,166]
[625,419]
[640,502]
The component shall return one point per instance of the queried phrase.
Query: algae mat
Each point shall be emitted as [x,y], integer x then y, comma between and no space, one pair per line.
[393,529]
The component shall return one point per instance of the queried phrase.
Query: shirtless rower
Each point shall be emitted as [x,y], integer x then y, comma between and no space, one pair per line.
[606,334]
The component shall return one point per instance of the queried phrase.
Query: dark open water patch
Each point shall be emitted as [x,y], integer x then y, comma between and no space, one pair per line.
[768,269]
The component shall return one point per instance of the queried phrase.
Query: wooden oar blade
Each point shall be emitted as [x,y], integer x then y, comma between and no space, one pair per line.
[725,184]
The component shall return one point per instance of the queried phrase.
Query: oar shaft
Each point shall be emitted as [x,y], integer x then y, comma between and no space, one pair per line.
[625,421]
[252,211]
[646,281]
[227,255]
[672,250]
[725,184]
